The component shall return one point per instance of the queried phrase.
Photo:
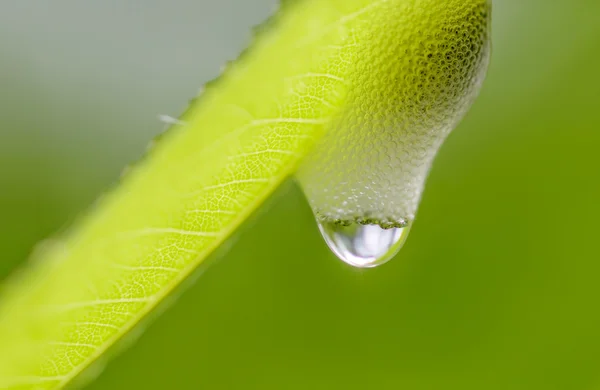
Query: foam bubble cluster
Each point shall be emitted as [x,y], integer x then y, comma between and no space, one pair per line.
[413,79]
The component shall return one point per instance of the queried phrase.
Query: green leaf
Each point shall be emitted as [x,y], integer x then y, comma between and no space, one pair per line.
[234,146]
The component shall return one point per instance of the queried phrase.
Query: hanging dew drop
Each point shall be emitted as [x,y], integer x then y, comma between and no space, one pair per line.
[363,246]
[407,91]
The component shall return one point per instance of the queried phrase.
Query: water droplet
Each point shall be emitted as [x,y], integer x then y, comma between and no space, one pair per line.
[363,246]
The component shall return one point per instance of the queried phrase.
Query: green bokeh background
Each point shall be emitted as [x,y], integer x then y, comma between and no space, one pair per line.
[497,287]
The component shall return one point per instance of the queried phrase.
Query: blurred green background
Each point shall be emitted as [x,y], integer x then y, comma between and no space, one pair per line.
[497,287]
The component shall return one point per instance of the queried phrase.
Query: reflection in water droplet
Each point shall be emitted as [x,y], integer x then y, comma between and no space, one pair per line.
[363,246]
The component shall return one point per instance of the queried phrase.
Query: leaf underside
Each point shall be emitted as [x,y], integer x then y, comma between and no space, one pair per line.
[205,176]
